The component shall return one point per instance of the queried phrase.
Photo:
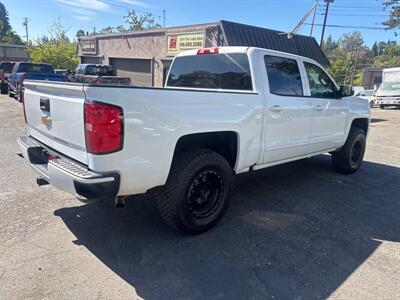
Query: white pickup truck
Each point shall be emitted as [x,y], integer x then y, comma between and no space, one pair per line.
[222,112]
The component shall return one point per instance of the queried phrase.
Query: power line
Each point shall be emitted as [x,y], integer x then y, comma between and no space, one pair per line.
[355,10]
[349,26]
[350,15]
[358,7]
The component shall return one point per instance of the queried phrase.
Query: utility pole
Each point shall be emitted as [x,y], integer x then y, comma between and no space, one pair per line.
[326,17]
[25,24]
[355,66]
[349,63]
[313,19]
[163,17]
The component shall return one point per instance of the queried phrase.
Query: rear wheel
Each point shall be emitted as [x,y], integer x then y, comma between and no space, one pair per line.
[19,96]
[382,106]
[349,159]
[4,88]
[197,191]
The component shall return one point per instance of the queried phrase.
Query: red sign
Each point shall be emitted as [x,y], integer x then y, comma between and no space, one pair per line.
[172,42]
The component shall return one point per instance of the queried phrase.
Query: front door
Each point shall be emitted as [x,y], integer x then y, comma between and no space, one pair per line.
[330,113]
[288,112]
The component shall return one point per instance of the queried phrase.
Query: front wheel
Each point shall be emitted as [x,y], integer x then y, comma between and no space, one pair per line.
[349,158]
[197,192]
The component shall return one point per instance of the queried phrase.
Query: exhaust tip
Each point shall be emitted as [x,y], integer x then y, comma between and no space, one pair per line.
[120,202]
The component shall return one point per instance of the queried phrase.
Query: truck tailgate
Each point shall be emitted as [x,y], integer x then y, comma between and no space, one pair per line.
[55,116]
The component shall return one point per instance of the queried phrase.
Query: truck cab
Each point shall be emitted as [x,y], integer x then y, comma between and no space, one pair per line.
[98,74]
[30,70]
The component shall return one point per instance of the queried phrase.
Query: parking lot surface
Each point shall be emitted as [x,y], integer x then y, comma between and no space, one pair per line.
[295,231]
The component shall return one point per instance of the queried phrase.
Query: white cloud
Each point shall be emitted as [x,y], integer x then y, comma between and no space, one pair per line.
[82,18]
[134,2]
[97,5]
[83,14]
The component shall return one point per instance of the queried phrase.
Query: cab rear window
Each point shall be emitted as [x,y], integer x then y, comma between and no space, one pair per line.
[214,71]
[35,68]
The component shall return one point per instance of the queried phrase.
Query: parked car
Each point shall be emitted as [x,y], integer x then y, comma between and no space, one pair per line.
[33,71]
[367,95]
[98,74]
[223,111]
[5,70]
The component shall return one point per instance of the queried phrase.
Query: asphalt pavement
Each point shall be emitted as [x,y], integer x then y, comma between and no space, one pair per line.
[295,231]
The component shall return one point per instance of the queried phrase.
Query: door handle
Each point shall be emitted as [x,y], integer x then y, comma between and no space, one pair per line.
[276,108]
[319,107]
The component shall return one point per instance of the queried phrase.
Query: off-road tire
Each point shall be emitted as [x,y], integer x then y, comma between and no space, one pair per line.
[349,158]
[4,88]
[19,96]
[174,200]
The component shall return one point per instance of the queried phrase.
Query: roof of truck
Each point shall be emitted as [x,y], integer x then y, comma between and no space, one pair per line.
[235,49]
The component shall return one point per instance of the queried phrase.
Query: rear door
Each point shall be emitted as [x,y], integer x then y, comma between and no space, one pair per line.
[55,116]
[330,113]
[288,112]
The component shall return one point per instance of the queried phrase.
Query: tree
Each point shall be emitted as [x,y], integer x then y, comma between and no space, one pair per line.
[7,35]
[55,48]
[106,30]
[374,49]
[80,33]
[338,69]
[394,16]
[4,19]
[140,22]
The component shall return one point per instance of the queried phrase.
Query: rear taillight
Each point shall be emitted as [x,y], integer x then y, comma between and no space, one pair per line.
[103,128]
[208,51]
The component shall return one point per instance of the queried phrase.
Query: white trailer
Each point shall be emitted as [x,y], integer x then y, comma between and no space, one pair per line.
[388,93]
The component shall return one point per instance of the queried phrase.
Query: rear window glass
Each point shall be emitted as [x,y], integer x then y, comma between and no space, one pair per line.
[35,68]
[99,70]
[283,76]
[7,66]
[211,71]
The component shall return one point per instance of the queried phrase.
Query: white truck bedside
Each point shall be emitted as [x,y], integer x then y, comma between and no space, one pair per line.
[223,111]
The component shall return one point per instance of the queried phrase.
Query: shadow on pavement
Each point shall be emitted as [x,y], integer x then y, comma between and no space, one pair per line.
[376,120]
[296,230]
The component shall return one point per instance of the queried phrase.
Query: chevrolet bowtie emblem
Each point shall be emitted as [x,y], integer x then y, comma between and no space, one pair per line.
[46,120]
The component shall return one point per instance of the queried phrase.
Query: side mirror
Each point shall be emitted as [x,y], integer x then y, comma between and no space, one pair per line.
[346,90]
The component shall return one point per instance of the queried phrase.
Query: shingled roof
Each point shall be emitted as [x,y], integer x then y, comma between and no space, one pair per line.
[246,35]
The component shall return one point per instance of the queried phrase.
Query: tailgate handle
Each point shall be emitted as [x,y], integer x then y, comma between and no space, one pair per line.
[45,104]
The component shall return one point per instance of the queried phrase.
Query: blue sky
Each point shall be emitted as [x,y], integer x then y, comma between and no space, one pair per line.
[275,14]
